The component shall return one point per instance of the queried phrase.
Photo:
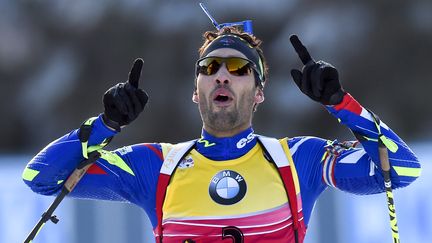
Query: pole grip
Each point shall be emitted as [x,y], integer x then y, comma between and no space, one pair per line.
[383,154]
[75,177]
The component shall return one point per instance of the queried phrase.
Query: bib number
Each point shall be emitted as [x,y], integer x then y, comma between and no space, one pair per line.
[233,233]
[229,232]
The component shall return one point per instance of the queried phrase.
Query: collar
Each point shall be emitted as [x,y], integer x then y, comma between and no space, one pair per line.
[228,147]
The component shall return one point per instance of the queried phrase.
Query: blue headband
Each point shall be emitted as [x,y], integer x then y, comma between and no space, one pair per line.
[237,43]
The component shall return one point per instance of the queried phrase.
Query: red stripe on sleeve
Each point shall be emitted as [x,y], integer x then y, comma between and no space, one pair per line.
[155,150]
[349,103]
[332,177]
[96,170]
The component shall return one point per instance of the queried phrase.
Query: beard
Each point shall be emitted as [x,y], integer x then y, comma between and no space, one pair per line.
[227,118]
[221,120]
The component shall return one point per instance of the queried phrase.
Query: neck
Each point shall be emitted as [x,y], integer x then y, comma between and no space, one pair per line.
[226,148]
[225,133]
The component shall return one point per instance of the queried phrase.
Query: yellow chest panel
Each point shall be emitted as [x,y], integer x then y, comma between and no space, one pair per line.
[255,182]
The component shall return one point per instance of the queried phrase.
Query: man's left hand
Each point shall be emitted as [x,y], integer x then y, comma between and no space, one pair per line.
[318,80]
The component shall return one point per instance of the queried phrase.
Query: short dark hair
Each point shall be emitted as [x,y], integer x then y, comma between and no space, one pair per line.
[209,36]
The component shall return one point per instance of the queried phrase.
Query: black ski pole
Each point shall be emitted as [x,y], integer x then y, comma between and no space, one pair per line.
[69,185]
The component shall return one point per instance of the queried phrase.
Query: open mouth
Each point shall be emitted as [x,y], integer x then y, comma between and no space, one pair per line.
[222,97]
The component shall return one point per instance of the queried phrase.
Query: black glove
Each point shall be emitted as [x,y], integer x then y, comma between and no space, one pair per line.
[318,80]
[125,101]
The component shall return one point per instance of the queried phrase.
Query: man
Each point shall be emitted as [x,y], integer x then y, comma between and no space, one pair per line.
[230,185]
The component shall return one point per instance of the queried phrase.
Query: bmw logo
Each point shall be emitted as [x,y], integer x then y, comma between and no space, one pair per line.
[227,187]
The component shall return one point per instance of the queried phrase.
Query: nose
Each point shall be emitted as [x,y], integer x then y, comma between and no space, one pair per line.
[222,75]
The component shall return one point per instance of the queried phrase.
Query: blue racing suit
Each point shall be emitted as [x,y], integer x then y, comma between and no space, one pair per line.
[132,172]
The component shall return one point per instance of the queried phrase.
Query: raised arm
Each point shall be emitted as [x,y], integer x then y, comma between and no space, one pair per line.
[114,171]
[323,163]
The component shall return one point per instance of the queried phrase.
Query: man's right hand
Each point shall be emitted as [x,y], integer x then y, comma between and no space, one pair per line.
[318,80]
[125,101]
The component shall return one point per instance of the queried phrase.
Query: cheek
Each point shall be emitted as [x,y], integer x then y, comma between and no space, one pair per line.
[200,95]
[200,83]
[246,98]
[202,80]
[203,87]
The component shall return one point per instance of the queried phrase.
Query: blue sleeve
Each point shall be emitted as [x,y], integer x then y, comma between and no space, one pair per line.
[54,163]
[321,163]
[307,153]
[126,174]
[355,166]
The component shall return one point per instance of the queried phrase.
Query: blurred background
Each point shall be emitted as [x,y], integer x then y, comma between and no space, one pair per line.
[57,58]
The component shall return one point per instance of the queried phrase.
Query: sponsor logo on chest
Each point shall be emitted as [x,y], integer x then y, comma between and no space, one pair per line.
[227,187]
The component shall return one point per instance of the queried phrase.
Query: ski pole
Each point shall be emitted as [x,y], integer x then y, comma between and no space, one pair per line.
[385,166]
[74,178]
[69,185]
[384,145]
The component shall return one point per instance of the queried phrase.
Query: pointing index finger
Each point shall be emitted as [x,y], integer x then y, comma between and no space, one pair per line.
[301,50]
[135,72]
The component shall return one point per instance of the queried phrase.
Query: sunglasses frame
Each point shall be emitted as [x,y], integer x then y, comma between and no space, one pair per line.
[252,65]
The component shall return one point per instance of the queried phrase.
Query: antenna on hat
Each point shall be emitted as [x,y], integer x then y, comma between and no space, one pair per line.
[246,24]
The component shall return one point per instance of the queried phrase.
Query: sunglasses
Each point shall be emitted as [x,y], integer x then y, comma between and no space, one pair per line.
[236,66]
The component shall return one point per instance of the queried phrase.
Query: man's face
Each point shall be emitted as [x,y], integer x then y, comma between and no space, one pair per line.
[226,101]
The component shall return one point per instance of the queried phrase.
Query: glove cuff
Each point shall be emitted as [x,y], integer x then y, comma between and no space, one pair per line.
[113,125]
[337,98]
[348,103]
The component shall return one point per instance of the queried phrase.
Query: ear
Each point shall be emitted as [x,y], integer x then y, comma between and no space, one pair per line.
[195,97]
[259,96]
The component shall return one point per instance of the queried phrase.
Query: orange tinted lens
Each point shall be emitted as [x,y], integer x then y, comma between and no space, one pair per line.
[209,66]
[238,66]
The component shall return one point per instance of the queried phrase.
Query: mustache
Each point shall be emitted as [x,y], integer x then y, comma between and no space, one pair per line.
[224,86]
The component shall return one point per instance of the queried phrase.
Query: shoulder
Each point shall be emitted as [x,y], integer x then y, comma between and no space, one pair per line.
[159,149]
[143,150]
[166,148]
[303,143]
[296,142]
